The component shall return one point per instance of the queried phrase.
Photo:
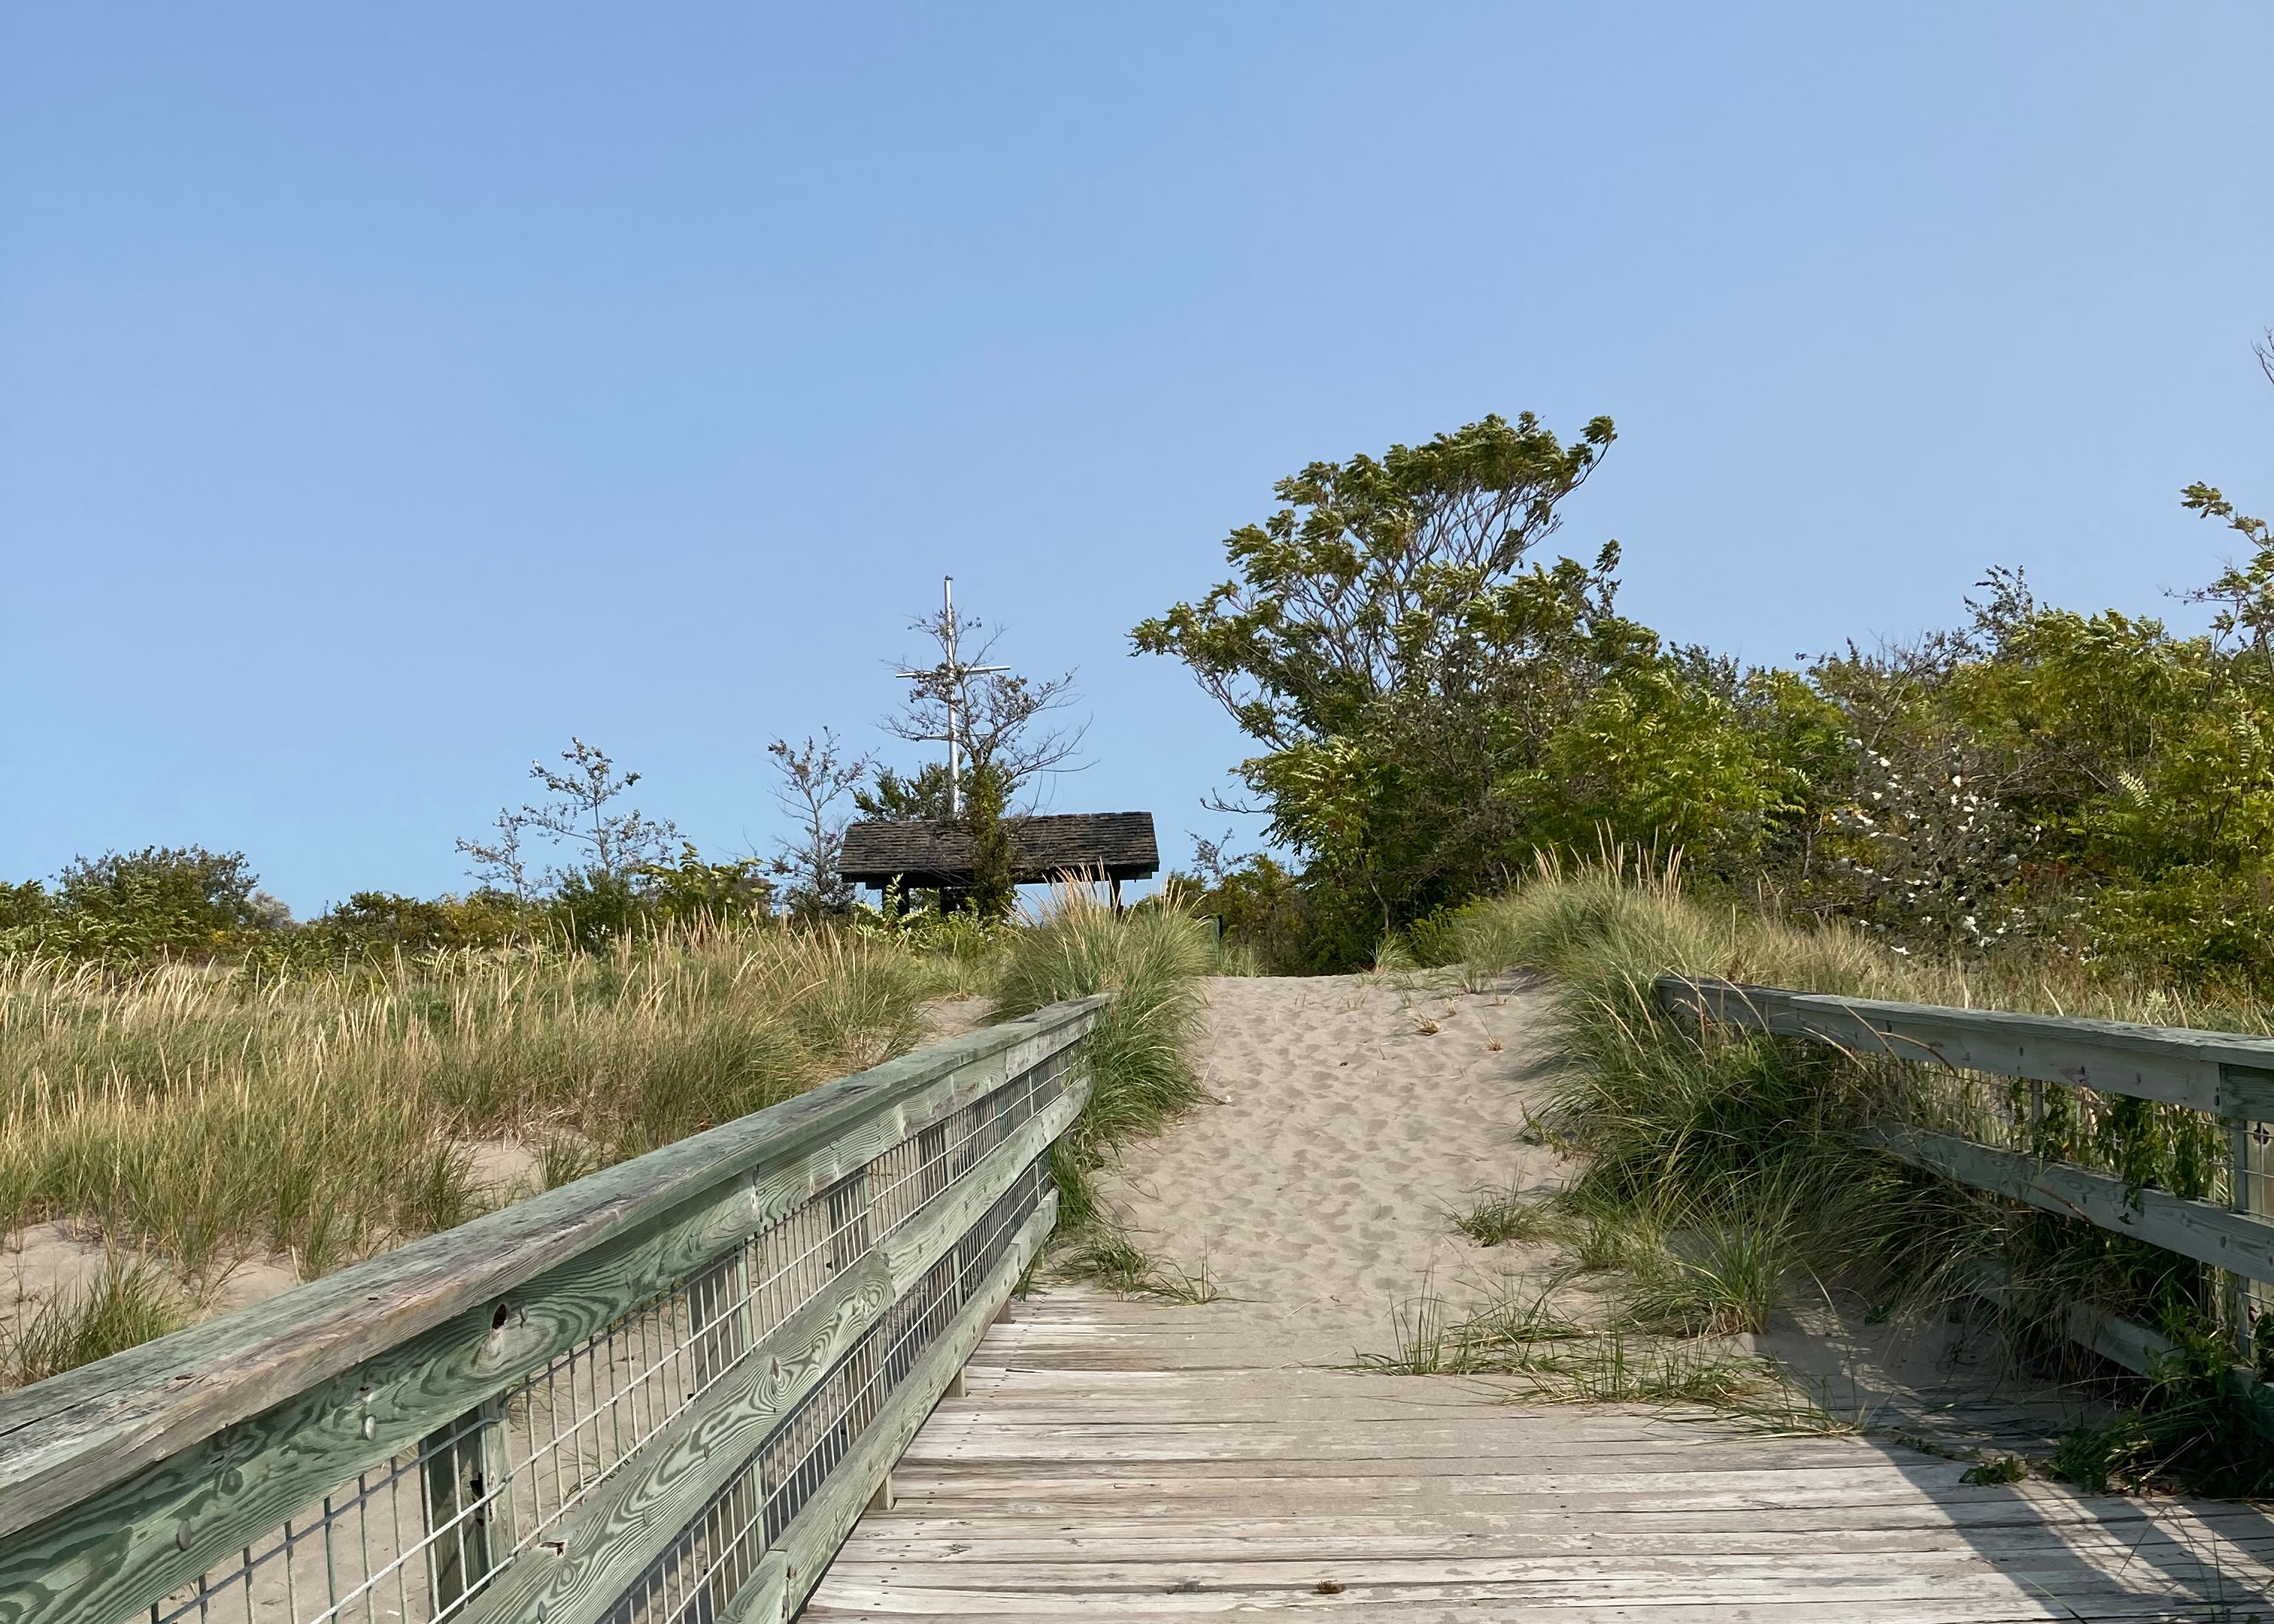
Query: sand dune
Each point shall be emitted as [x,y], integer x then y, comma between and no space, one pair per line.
[1349,1114]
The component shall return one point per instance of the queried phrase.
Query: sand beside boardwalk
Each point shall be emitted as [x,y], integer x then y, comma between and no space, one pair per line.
[1317,1189]
[1316,1184]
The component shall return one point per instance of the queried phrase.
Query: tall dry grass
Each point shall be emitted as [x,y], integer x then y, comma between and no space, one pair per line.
[1722,1173]
[183,1118]
[207,1113]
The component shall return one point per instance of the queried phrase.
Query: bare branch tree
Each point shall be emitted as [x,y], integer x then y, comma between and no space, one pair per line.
[815,775]
[999,710]
[498,863]
[618,843]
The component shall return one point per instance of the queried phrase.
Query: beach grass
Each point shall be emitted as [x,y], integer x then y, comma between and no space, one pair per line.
[180,1119]
[1149,961]
[1721,1178]
[203,1113]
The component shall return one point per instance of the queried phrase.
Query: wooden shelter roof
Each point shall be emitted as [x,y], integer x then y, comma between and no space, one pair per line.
[1118,846]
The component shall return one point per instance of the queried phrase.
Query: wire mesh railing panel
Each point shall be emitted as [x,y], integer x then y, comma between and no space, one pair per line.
[407,1539]
[698,1575]
[415,1538]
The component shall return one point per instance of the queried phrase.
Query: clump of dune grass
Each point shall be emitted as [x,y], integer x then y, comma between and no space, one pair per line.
[1722,1171]
[1613,1368]
[1502,1216]
[129,1302]
[1558,1360]
[1726,1276]
[1148,961]
[1102,1254]
[204,1113]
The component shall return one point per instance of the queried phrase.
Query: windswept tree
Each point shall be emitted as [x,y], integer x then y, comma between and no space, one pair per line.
[610,844]
[1390,642]
[1434,703]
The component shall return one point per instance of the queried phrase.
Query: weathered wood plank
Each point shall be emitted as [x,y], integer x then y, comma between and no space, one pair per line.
[199,1499]
[1010,1509]
[1940,1594]
[766,1599]
[610,1539]
[2223,1073]
[1654,1573]
[1262,1538]
[2134,1347]
[2198,1230]
[902,1607]
[814,1536]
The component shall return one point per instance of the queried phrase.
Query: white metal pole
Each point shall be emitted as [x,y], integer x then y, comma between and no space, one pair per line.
[955,691]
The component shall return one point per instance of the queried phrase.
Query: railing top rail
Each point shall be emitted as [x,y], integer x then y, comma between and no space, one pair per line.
[2227,1073]
[72,1435]
[2177,1042]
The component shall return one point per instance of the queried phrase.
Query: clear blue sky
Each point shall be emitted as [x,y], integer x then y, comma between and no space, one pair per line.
[389,392]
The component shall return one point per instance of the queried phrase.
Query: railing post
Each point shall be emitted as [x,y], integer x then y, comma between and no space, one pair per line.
[469,1501]
[2245,1172]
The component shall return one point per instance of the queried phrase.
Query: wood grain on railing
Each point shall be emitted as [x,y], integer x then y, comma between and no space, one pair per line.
[123,1481]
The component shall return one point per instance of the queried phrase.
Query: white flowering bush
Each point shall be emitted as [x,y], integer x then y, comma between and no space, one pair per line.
[1926,852]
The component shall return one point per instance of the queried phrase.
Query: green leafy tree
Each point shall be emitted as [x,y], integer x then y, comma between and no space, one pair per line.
[694,888]
[1255,901]
[379,923]
[1408,667]
[993,892]
[901,798]
[1654,757]
[174,901]
[23,907]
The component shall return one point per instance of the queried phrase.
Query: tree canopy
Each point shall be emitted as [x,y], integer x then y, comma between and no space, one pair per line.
[1437,702]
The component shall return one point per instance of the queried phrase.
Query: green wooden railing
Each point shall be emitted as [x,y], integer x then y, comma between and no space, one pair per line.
[662,1394]
[2227,1077]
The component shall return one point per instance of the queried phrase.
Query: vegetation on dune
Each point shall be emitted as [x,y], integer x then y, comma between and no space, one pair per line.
[1148,961]
[211,1111]
[1434,705]
[1721,1176]
[190,1115]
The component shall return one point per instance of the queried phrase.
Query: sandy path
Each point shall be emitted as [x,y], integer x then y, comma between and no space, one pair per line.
[1315,1188]
[1139,1460]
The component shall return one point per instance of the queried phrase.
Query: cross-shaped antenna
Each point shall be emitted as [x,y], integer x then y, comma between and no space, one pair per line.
[949,674]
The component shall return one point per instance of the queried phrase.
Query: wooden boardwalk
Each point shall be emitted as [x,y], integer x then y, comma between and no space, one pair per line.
[1129,1460]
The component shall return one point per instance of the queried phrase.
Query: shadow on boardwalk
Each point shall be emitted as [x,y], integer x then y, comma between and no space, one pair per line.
[1119,1459]
[1131,1459]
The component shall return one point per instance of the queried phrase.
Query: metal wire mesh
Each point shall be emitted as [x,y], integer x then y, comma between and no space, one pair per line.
[419,1535]
[697,1575]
